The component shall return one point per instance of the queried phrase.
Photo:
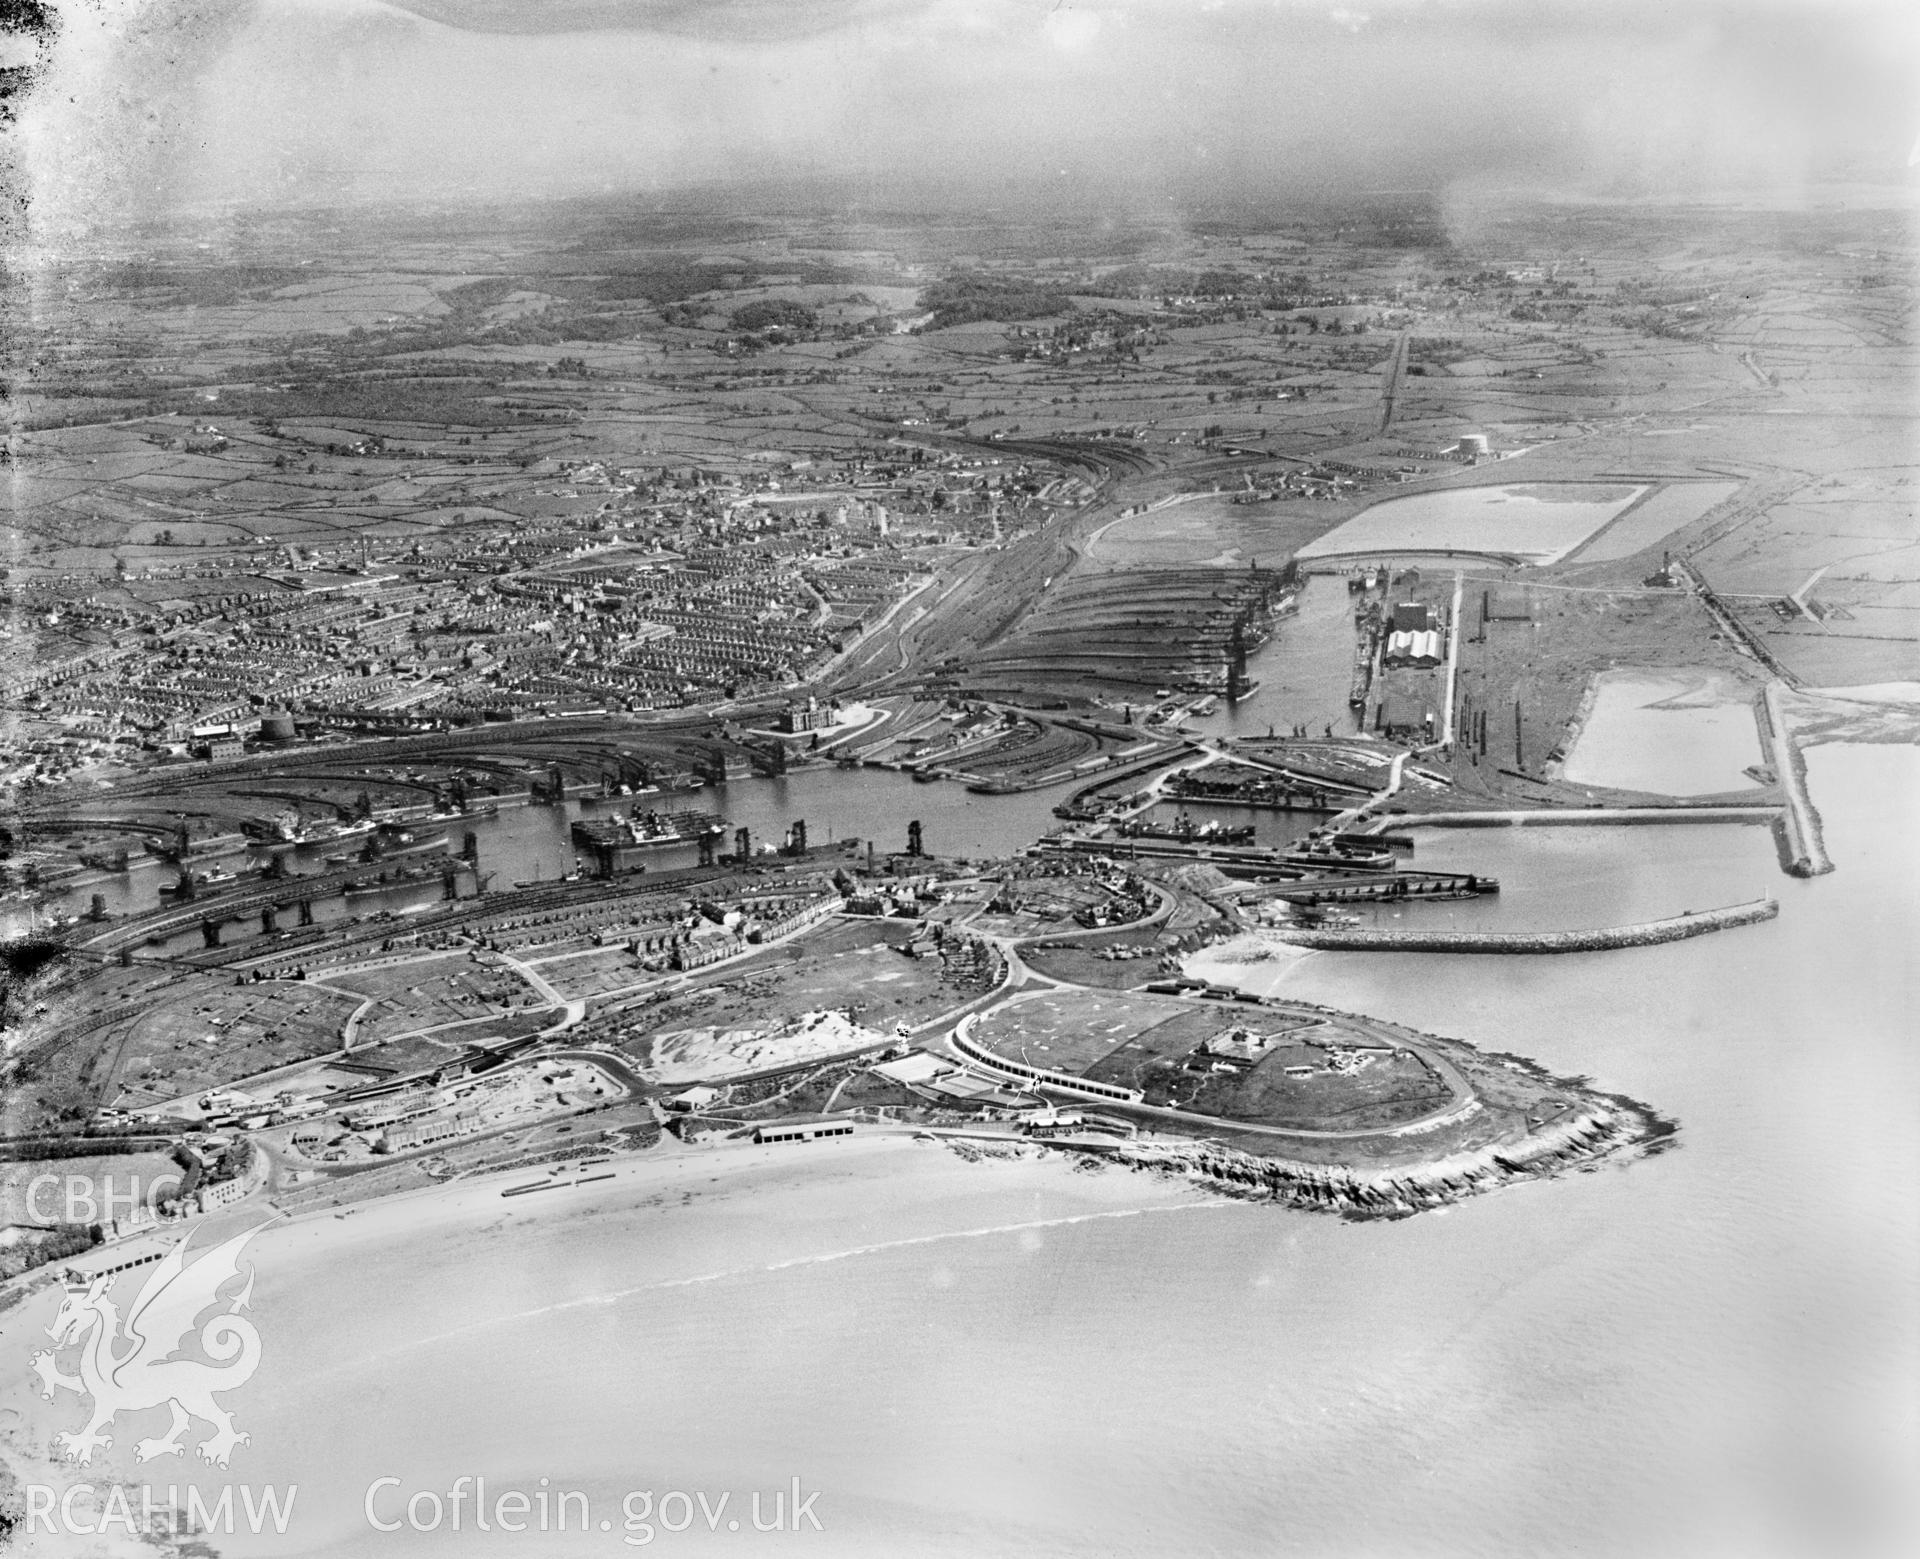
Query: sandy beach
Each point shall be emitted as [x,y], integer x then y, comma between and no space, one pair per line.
[538,1298]
[1016,1356]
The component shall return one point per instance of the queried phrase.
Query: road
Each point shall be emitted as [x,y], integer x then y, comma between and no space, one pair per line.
[1024,983]
[1460,1096]
[1735,630]
[1453,665]
[571,1011]
[1394,373]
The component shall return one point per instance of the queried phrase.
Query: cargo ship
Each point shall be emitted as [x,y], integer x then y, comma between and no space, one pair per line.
[316,838]
[392,840]
[617,844]
[648,827]
[212,877]
[392,843]
[403,877]
[1186,831]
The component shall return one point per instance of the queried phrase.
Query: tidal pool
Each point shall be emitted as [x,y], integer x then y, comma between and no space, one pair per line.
[1675,733]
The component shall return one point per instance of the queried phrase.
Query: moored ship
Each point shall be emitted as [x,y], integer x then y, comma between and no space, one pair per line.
[1185,831]
[617,843]
[647,827]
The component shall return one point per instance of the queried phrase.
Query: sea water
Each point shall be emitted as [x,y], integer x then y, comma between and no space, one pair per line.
[1708,1352]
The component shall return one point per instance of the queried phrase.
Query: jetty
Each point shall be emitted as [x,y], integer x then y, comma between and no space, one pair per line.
[1803,851]
[1386,887]
[1568,817]
[1650,933]
[1303,879]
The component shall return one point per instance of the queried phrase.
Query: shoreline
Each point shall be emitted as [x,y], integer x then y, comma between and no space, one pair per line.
[1797,832]
[1584,1142]
[730,1214]
[479,1197]
[1601,1127]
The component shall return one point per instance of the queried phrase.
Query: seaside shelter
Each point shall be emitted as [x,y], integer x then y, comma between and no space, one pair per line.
[801,1131]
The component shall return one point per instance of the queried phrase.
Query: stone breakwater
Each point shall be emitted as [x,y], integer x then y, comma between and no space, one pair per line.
[1803,849]
[1648,933]
[1578,1140]
[1577,817]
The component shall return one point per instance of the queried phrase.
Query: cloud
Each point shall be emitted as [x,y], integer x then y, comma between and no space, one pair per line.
[712,19]
[150,105]
[1071,29]
[107,130]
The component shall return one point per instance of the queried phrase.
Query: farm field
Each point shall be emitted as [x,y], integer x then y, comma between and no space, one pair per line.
[427,993]
[1650,521]
[201,1039]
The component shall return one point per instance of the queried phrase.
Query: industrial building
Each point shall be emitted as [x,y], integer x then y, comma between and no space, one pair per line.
[1414,649]
[1402,717]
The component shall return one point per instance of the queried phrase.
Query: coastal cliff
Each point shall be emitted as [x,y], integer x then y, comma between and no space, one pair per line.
[1606,1128]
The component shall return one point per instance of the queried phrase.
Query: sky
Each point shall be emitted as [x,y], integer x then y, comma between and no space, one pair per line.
[148,106]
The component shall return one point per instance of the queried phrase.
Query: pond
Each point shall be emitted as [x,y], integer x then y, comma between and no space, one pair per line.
[1674,733]
[1536,522]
